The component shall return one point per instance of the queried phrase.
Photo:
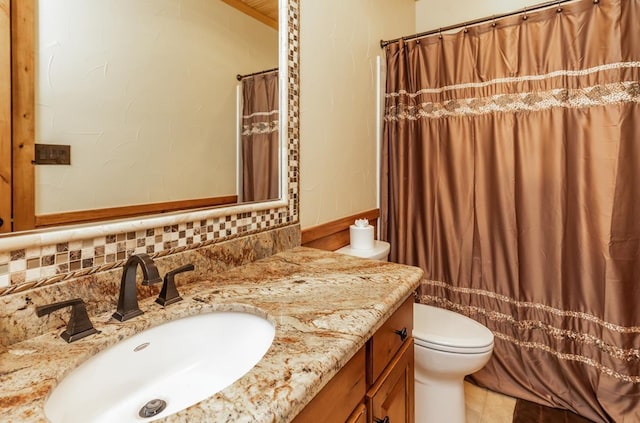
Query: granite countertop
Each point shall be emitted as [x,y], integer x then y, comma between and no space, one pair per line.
[325,307]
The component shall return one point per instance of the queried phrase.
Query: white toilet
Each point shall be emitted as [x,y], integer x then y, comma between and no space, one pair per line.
[448,346]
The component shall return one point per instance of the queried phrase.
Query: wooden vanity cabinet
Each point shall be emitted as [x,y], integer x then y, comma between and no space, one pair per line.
[377,383]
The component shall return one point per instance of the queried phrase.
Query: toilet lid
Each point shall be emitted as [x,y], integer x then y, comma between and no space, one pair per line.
[446,330]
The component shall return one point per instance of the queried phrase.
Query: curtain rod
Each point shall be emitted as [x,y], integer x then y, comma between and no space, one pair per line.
[240,77]
[384,43]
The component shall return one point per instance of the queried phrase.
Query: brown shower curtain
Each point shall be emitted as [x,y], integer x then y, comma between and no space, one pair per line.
[260,143]
[512,177]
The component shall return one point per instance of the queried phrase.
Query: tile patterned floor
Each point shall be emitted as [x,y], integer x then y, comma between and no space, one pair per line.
[485,406]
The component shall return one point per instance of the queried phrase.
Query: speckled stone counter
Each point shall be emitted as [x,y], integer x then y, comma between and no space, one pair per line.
[324,305]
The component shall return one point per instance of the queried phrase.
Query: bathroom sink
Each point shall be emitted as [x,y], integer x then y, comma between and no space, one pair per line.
[162,370]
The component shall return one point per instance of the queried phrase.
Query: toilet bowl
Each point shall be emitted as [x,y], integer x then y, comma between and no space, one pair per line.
[448,346]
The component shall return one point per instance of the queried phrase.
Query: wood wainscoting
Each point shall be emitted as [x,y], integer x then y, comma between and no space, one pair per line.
[335,234]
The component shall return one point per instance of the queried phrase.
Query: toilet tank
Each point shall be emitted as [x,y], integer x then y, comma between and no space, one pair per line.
[380,251]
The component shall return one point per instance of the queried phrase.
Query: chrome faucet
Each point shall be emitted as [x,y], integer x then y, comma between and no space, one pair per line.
[128,299]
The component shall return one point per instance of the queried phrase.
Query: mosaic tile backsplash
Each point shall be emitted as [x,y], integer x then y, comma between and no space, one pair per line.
[33,267]
[99,290]
[25,269]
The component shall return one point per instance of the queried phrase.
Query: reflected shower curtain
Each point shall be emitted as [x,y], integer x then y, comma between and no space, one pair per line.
[260,162]
[512,177]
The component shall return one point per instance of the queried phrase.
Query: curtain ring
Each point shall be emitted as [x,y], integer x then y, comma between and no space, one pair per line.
[596,1]
[466,30]
[524,15]
[493,24]
[440,33]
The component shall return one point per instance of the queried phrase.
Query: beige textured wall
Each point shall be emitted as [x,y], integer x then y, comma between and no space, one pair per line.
[143,91]
[432,15]
[339,44]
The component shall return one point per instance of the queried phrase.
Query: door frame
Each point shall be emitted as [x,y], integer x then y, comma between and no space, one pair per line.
[5,116]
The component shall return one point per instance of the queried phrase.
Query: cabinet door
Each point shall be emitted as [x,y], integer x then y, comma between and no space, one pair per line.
[391,398]
[359,415]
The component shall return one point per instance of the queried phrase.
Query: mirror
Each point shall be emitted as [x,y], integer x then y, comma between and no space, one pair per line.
[145,94]
[283,209]
[142,91]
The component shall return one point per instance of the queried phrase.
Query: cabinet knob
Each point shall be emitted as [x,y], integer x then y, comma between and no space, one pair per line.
[402,333]
[385,420]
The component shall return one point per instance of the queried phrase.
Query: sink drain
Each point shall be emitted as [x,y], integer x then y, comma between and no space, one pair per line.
[152,408]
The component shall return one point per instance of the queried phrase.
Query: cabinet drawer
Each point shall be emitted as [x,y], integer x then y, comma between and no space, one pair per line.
[386,342]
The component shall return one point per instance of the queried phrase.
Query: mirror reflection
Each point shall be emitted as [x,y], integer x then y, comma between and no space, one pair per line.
[145,94]
[259,148]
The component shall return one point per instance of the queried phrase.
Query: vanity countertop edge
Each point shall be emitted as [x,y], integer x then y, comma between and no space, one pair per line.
[325,307]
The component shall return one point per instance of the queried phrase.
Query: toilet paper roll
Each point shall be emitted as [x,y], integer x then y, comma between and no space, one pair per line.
[361,237]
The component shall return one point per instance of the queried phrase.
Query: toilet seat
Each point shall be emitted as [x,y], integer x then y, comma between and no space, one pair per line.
[447,331]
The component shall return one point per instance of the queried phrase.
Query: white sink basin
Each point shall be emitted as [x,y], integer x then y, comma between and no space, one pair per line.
[180,362]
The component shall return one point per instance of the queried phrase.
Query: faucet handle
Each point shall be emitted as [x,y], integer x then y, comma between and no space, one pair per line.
[79,324]
[169,292]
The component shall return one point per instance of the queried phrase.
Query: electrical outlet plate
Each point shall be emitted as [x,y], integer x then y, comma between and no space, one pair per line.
[53,154]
